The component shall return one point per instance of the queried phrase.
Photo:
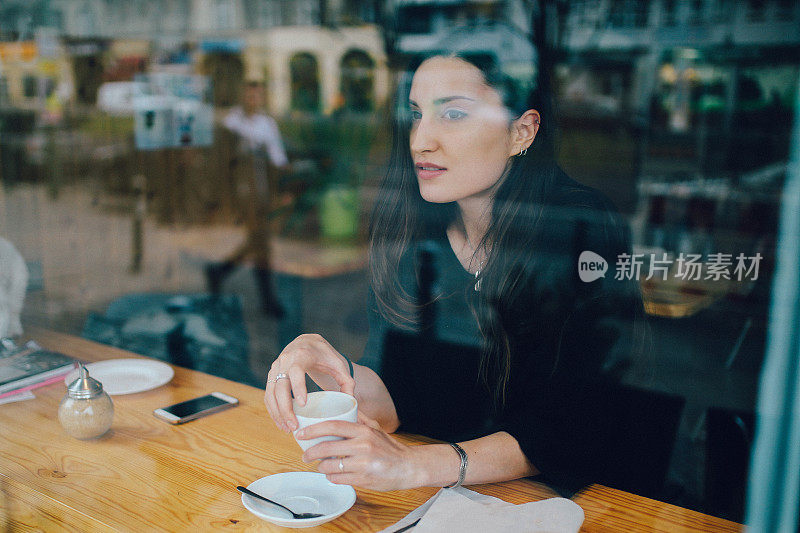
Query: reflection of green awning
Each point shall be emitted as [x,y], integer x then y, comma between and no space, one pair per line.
[709,103]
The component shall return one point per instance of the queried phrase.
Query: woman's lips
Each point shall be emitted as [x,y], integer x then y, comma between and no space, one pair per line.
[427,171]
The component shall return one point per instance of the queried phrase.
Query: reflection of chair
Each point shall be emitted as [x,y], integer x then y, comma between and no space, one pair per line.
[644,425]
[194,331]
[728,441]
[629,432]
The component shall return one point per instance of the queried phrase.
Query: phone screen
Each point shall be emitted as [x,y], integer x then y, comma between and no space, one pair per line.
[196,405]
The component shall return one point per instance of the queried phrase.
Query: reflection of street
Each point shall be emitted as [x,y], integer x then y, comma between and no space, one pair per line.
[83,244]
[84,247]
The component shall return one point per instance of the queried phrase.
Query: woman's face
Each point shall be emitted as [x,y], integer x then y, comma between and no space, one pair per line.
[461,137]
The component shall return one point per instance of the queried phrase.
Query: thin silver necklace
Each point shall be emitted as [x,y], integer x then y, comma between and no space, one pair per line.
[480,265]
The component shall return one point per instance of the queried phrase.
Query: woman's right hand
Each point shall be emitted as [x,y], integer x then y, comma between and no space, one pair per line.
[307,354]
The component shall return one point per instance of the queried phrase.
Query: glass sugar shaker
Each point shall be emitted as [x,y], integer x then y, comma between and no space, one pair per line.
[86,412]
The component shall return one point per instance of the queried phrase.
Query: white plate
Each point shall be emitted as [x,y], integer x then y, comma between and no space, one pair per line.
[302,492]
[126,376]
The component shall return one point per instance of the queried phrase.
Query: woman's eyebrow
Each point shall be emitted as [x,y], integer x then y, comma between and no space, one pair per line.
[444,100]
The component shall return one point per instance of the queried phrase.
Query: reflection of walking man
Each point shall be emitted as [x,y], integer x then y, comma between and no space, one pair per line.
[259,145]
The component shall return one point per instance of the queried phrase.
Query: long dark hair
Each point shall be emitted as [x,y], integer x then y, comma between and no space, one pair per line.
[520,209]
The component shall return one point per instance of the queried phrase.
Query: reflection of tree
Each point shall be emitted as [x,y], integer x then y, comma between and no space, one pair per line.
[358,71]
[749,90]
[305,82]
[768,126]
[88,75]
[548,23]
[548,26]
[226,71]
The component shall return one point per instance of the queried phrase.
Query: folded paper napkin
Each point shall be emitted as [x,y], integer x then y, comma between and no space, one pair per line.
[467,511]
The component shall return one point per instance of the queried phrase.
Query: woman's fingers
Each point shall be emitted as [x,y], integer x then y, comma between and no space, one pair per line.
[335,364]
[297,379]
[272,407]
[333,448]
[269,400]
[365,465]
[350,465]
[346,479]
[283,397]
[364,455]
[346,383]
[307,354]
[367,421]
[336,428]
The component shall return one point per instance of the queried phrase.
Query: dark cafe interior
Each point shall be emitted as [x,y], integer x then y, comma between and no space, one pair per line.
[400,265]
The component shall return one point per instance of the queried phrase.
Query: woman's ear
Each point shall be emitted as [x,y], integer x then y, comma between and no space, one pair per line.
[524,130]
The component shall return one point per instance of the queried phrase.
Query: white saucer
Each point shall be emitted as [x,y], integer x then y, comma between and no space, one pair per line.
[302,492]
[127,376]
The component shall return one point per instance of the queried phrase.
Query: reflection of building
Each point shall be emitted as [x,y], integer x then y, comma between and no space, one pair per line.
[314,55]
[500,28]
[629,34]
[121,19]
[32,72]
[310,53]
[691,69]
[317,69]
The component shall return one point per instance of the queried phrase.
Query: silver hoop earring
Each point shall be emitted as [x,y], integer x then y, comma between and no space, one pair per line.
[522,152]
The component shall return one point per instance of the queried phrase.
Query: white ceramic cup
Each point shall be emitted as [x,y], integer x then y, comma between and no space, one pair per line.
[322,406]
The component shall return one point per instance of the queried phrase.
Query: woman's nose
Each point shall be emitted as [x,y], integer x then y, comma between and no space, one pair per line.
[423,137]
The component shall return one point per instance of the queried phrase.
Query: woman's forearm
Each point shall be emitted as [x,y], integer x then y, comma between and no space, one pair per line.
[370,392]
[493,458]
[374,399]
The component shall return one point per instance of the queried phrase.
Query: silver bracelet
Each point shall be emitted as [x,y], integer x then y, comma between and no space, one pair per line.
[462,472]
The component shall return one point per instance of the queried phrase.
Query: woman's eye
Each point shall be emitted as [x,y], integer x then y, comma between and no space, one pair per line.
[454,114]
[415,115]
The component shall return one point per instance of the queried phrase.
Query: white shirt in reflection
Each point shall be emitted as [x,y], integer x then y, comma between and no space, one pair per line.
[258,132]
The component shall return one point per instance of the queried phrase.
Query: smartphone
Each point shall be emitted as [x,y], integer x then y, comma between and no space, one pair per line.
[195,408]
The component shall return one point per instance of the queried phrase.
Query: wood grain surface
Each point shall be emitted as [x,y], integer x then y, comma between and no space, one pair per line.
[147,475]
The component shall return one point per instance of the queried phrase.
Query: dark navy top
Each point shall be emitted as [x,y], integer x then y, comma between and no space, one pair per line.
[567,336]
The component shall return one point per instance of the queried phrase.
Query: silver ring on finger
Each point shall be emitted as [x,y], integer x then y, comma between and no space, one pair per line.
[341,465]
[278,377]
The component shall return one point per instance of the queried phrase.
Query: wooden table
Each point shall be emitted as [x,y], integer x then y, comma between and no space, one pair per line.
[146,475]
[675,298]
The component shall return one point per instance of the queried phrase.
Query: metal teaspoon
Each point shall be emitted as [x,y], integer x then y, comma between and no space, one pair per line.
[260,497]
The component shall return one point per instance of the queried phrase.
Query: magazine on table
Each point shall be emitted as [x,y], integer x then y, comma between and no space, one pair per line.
[29,366]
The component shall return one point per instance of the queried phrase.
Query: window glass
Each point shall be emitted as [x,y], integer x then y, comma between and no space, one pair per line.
[357,81]
[305,82]
[203,181]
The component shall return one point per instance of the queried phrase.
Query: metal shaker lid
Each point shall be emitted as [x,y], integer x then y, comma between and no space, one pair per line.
[84,387]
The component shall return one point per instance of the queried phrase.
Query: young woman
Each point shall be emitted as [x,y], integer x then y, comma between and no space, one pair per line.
[481,331]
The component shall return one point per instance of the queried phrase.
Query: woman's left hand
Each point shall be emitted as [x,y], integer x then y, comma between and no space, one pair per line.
[367,457]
